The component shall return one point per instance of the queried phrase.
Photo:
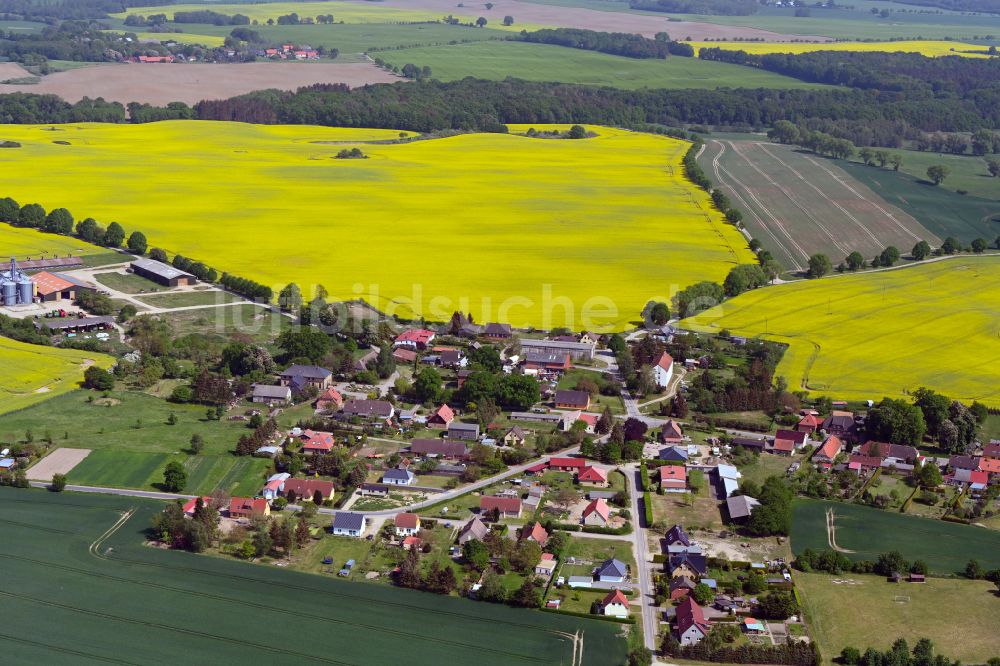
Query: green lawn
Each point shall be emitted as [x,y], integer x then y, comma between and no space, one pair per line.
[105,259]
[597,402]
[259,323]
[946,547]
[188,298]
[128,283]
[543,62]
[766,465]
[968,172]
[940,209]
[66,603]
[870,612]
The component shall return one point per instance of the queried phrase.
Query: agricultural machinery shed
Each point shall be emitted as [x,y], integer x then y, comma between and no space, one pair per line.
[80,325]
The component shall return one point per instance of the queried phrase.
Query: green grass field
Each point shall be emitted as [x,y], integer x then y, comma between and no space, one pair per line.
[867,532]
[543,62]
[942,210]
[220,324]
[30,374]
[968,172]
[30,243]
[869,335]
[866,613]
[72,596]
[188,299]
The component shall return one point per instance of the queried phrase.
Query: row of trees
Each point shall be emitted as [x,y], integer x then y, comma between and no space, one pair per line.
[899,654]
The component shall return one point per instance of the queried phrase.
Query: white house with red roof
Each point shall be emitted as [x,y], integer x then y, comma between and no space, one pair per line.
[830,449]
[597,514]
[190,505]
[442,417]
[535,533]
[615,604]
[330,400]
[407,524]
[595,475]
[663,370]
[673,478]
[316,442]
[567,464]
[415,338]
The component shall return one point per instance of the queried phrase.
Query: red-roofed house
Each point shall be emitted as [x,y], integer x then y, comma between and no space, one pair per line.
[808,424]
[863,464]
[244,507]
[330,400]
[567,464]
[407,524]
[416,338]
[535,533]
[597,513]
[615,604]
[663,370]
[306,488]
[673,478]
[411,542]
[594,475]
[191,503]
[990,465]
[442,417]
[406,356]
[692,626]
[786,441]
[509,507]
[671,433]
[831,449]
[316,442]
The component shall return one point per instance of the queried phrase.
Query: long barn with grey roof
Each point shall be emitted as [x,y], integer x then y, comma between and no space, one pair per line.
[165,274]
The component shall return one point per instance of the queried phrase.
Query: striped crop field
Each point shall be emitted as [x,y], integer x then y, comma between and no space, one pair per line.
[882,333]
[531,231]
[933,48]
[31,373]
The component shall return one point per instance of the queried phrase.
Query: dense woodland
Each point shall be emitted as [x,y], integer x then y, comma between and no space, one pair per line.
[614,43]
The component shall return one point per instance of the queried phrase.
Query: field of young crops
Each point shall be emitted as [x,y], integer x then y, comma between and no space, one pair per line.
[77,589]
[31,373]
[532,231]
[24,243]
[928,47]
[883,333]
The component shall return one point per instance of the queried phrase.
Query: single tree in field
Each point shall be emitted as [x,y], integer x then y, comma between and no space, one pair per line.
[889,256]
[950,245]
[58,483]
[993,167]
[979,245]
[481,22]
[174,477]
[660,314]
[137,242]
[921,250]
[896,161]
[938,173]
[508,20]
[290,298]
[819,265]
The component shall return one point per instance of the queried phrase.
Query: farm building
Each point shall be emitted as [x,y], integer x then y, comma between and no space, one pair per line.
[576,350]
[54,287]
[572,399]
[728,479]
[57,263]
[466,431]
[300,376]
[369,409]
[162,273]
[271,395]
[439,448]
[81,325]
[16,288]
[346,523]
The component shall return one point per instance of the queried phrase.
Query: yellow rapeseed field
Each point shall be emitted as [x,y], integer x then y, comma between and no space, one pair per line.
[928,47]
[31,243]
[346,12]
[31,373]
[527,230]
[883,333]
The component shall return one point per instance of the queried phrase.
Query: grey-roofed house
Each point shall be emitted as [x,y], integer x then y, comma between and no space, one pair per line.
[741,506]
[271,395]
[576,350]
[374,490]
[398,477]
[676,536]
[749,443]
[369,409]
[498,331]
[474,529]
[164,274]
[347,523]
[612,571]
[466,431]
[307,375]
[444,448]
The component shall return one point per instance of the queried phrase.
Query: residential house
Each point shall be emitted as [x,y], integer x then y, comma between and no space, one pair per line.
[245,507]
[680,587]
[740,507]
[892,452]
[546,565]
[452,358]
[612,571]
[407,524]
[676,454]
[577,350]
[347,523]
[673,478]
[671,433]
[535,533]
[963,462]
[509,507]
[692,627]
[676,536]
[992,450]
[7,464]
[398,477]
[307,488]
[809,424]
[330,400]
[663,370]
[566,399]
[514,437]
[614,605]
[497,331]
[442,417]
[316,442]
[976,479]
[594,475]
[842,424]
[374,490]
[863,464]
[830,449]
[787,441]
[417,338]
[474,529]
[597,514]
[691,562]
[271,395]
[439,448]
[567,464]
[465,431]
[589,338]
[192,503]
[369,409]
[300,376]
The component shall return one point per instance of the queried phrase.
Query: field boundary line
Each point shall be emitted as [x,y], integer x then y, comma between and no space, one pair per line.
[65,650]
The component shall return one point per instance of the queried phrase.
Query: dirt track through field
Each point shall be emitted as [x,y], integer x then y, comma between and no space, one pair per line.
[60,461]
[592,19]
[191,83]
[799,204]
[831,532]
